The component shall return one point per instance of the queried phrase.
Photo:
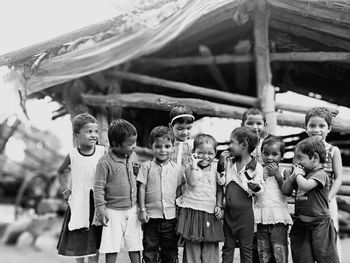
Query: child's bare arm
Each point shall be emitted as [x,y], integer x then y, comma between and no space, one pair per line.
[219,200]
[288,184]
[63,179]
[337,169]
[305,184]
[141,193]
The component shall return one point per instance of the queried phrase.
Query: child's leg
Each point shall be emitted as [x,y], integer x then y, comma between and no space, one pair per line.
[135,256]
[279,242]
[168,241]
[245,239]
[324,239]
[264,245]
[192,252]
[151,237]
[300,239]
[210,252]
[333,211]
[230,240]
[111,257]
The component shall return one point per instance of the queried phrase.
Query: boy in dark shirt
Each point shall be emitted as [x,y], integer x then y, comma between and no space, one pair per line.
[313,236]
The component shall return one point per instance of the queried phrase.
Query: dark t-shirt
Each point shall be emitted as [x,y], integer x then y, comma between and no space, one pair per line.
[314,203]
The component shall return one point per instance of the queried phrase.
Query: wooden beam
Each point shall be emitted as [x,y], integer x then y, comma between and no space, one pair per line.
[165,103]
[54,43]
[308,9]
[302,108]
[304,32]
[200,107]
[192,61]
[184,87]
[246,58]
[213,68]
[311,57]
[316,24]
[265,90]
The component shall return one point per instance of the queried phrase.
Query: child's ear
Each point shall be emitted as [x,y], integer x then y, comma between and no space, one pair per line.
[316,156]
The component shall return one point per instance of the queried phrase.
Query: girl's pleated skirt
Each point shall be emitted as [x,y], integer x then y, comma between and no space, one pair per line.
[80,242]
[199,226]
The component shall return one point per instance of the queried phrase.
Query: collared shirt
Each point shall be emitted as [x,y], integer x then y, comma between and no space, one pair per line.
[161,182]
[240,178]
[115,185]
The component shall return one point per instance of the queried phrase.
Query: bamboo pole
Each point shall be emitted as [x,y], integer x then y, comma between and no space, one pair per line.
[214,69]
[225,96]
[200,107]
[302,108]
[265,90]
[180,86]
[246,58]
[300,31]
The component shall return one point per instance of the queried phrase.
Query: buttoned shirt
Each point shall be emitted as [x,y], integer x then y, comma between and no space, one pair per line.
[115,185]
[161,182]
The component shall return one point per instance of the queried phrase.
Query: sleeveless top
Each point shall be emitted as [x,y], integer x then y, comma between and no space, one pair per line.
[328,165]
[83,179]
[202,196]
[271,207]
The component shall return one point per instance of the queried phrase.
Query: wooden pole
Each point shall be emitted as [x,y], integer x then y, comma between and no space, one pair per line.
[246,58]
[213,68]
[265,90]
[200,107]
[174,85]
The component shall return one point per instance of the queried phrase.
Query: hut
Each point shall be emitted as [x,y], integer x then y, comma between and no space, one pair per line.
[220,57]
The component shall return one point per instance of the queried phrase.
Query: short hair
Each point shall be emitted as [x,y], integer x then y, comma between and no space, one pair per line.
[204,138]
[270,140]
[252,111]
[312,145]
[80,120]
[181,110]
[321,112]
[119,131]
[245,134]
[161,132]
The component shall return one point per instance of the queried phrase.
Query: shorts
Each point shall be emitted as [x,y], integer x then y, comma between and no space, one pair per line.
[123,231]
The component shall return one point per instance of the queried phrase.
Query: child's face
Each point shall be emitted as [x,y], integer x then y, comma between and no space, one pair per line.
[127,146]
[304,160]
[162,149]
[236,148]
[88,135]
[271,153]
[181,131]
[317,127]
[206,152]
[256,123]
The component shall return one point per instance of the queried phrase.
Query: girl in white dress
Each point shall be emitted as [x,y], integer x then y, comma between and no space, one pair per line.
[270,210]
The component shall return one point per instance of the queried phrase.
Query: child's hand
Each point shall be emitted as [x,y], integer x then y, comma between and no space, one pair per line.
[218,212]
[66,194]
[143,216]
[255,187]
[273,169]
[223,157]
[298,169]
[102,216]
[195,160]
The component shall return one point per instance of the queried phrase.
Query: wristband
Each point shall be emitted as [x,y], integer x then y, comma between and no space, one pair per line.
[218,205]
[142,209]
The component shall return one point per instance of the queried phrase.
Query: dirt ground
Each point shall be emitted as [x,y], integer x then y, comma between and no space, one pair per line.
[44,248]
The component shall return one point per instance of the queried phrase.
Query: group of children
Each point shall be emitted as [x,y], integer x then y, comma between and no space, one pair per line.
[185,197]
